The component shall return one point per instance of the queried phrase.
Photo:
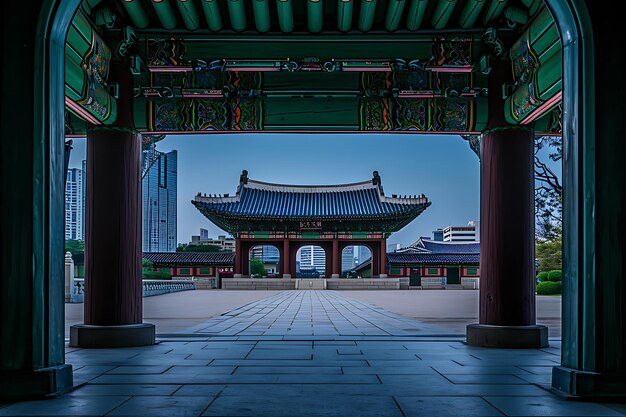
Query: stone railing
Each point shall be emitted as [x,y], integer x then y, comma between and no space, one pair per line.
[151,287]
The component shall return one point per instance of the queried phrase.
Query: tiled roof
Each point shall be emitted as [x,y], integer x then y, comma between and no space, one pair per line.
[432,246]
[198,258]
[255,199]
[433,258]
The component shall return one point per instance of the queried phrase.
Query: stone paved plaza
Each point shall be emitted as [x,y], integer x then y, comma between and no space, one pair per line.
[312,353]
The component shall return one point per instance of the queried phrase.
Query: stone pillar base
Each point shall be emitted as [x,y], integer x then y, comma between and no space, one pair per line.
[87,336]
[513,337]
[286,275]
[237,276]
[383,276]
[576,383]
[22,385]
[334,276]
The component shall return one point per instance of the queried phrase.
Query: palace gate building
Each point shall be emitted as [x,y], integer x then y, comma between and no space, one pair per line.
[495,72]
[291,216]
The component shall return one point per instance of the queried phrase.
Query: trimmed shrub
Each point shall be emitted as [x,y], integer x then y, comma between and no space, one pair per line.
[549,288]
[542,276]
[554,275]
[156,275]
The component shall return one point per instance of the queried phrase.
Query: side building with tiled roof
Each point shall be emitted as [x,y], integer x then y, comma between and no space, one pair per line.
[193,264]
[429,262]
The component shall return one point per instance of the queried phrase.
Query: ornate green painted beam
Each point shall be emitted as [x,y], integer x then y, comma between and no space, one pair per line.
[237,14]
[470,13]
[442,13]
[344,15]
[212,14]
[189,14]
[315,20]
[366,16]
[394,14]
[416,14]
[516,14]
[261,10]
[136,13]
[165,13]
[285,15]
[495,9]
[537,66]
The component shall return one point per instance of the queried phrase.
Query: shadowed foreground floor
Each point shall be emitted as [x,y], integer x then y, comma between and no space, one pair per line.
[314,364]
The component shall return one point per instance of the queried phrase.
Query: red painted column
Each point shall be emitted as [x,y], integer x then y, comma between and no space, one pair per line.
[113,288]
[237,266]
[336,256]
[507,231]
[286,255]
[383,257]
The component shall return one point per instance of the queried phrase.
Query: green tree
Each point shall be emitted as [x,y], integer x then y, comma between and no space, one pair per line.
[147,264]
[199,248]
[74,246]
[549,254]
[256,267]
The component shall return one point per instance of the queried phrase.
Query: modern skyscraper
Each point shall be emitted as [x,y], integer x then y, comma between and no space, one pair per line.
[361,254]
[313,257]
[347,258]
[159,192]
[75,204]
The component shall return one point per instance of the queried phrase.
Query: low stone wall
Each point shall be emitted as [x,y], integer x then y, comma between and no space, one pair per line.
[433,283]
[363,284]
[201,283]
[470,283]
[151,287]
[258,284]
[404,283]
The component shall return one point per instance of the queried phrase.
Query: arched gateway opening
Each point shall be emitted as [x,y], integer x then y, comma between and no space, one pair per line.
[32,109]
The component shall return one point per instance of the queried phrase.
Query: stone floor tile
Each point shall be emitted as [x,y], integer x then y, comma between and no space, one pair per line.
[66,406]
[334,370]
[206,390]
[389,370]
[486,379]
[148,369]
[549,406]
[125,389]
[178,406]
[446,407]
[280,405]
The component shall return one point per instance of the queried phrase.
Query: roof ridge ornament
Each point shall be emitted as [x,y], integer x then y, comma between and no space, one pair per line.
[376,180]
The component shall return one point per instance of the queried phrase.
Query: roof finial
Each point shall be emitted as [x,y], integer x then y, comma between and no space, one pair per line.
[377,181]
[244,177]
[375,178]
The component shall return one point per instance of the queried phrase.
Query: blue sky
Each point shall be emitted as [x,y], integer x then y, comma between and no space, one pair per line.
[442,167]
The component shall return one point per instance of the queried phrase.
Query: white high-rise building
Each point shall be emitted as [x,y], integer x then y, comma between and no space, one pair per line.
[313,257]
[75,204]
[347,258]
[159,191]
[469,233]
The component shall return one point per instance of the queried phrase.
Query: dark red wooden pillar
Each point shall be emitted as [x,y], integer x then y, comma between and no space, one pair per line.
[293,251]
[285,260]
[507,231]
[237,266]
[375,251]
[336,256]
[113,289]
[244,258]
[383,258]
